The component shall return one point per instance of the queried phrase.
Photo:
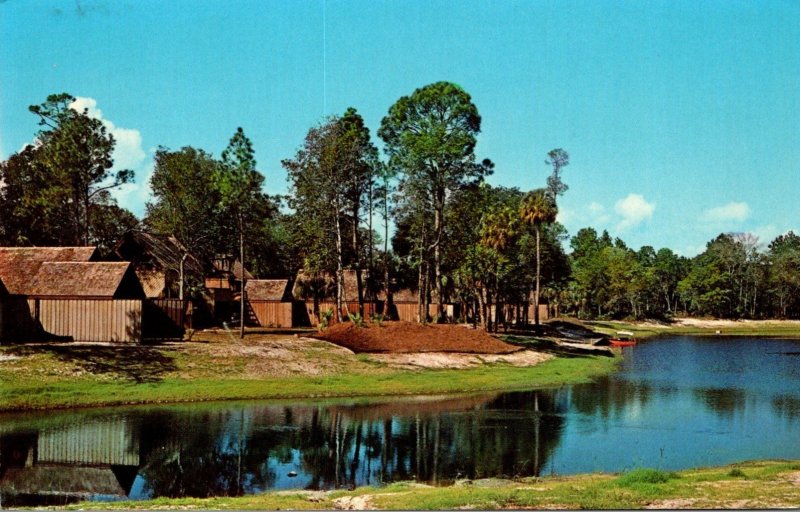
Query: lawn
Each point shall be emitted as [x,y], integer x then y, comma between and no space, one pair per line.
[215,367]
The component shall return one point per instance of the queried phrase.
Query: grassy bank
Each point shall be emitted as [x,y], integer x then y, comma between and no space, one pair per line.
[760,328]
[262,366]
[764,484]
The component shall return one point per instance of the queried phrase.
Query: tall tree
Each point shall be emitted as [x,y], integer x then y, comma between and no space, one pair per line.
[239,186]
[75,150]
[319,198]
[430,138]
[558,159]
[358,167]
[537,209]
[185,200]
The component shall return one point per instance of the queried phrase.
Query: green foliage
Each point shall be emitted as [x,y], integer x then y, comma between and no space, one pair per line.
[357,319]
[558,159]
[377,318]
[737,473]
[324,319]
[645,476]
[185,201]
[51,187]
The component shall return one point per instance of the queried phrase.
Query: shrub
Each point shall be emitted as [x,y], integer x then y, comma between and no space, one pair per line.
[645,476]
[737,473]
[357,320]
[325,319]
[377,318]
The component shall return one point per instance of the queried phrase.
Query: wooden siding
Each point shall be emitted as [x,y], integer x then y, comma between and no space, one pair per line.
[114,320]
[352,307]
[165,319]
[271,313]
[407,311]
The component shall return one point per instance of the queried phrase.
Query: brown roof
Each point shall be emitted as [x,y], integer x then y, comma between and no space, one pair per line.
[268,289]
[49,253]
[223,265]
[304,282]
[18,265]
[153,282]
[80,279]
[161,252]
[404,295]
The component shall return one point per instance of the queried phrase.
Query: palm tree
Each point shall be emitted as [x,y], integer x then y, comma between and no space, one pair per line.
[538,208]
[498,228]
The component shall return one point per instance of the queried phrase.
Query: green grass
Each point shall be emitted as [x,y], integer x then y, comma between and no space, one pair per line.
[770,484]
[44,379]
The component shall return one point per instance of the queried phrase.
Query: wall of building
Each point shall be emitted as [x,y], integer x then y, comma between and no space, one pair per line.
[108,320]
[271,313]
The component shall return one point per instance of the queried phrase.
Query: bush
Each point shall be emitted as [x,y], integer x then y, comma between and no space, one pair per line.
[324,319]
[645,476]
[357,320]
[377,318]
[737,473]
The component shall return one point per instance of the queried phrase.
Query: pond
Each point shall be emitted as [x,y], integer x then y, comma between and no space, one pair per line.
[674,403]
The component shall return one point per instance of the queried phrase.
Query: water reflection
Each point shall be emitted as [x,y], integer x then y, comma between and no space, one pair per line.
[214,450]
[723,401]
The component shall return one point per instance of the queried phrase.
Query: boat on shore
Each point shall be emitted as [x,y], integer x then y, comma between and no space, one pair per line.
[622,339]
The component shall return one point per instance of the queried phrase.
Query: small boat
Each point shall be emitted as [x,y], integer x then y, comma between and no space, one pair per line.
[622,339]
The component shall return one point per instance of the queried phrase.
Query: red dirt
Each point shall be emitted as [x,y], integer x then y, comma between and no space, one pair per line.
[403,337]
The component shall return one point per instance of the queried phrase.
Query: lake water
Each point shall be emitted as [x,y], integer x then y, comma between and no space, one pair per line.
[674,403]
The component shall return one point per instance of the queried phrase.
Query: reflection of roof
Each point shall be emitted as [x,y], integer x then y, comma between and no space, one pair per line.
[268,289]
[19,265]
[66,480]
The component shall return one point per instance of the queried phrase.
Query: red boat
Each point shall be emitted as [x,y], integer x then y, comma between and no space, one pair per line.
[623,339]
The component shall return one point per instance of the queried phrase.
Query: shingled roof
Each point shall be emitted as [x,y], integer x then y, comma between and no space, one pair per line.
[49,253]
[83,279]
[18,265]
[268,289]
[162,252]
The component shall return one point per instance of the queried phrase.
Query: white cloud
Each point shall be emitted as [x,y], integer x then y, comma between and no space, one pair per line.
[634,209]
[597,213]
[128,154]
[733,211]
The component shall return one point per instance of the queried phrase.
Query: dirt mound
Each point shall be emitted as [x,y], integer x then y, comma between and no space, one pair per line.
[403,337]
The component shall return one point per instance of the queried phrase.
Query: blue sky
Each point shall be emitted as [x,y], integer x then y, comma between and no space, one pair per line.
[682,118]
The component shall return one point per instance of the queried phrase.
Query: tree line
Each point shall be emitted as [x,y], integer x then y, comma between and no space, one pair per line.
[456,238]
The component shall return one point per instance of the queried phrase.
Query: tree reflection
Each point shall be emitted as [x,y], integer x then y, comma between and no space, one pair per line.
[722,401]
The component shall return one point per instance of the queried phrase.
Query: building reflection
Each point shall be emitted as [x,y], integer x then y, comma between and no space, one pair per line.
[68,464]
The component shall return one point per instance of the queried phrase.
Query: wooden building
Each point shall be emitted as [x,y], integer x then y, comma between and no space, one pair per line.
[57,293]
[158,261]
[223,283]
[269,302]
